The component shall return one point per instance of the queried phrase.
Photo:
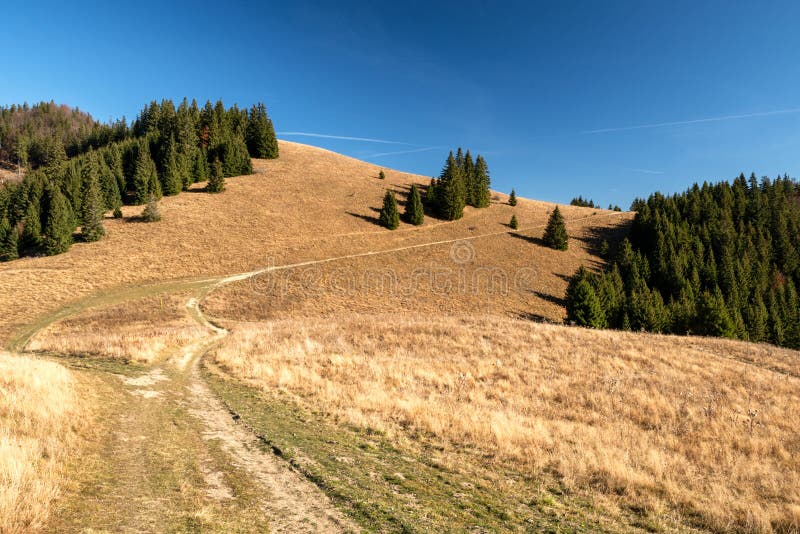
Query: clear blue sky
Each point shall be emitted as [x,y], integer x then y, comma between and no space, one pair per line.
[548,92]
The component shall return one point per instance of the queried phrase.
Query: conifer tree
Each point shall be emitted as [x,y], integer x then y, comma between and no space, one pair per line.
[468,171]
[555,235]
[451,191]
[415,213]
[381,175]
[712,311]
[8,241]
[481,184]
[92,206]
[58,225]
[109,187]
[145,177]
[216,183]
[171,180]
[583,305]
[512,198]
[32,225]
[260,134]
[200,170]
[389,217]
[514,224]
[432,196]
[151,212]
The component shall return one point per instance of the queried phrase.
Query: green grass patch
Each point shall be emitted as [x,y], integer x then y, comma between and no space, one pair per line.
[386,487]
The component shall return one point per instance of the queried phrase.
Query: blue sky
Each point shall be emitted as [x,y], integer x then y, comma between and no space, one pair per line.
[604,99]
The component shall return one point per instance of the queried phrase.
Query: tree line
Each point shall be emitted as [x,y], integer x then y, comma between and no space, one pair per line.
[164,151]
[719,259]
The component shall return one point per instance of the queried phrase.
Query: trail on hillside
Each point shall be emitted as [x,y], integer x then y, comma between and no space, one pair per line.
[173,457]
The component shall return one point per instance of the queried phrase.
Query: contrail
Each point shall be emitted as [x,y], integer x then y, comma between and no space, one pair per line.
[382,154]
[693,121]
[645,171]
[346,138]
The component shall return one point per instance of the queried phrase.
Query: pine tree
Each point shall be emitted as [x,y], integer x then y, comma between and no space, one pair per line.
[451,191]
[145,176]
[415,213]
[32,225]
[171,179]
[389,216]
[216,183]
[714,316]
[8,241]
[200,170]
[92,206]
[468,171]
[432,195]
[58,224]
[555,235]
[583,306]
[481,184]
[512,198]
[260,134]
[151,212]
[514,224]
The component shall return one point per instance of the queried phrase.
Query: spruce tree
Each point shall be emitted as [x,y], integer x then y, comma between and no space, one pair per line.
[260,134]
[32,225]
[481,185]
[555,235]
[415,213]
[151,212]
[200,170]
[432,196]
[389,217]
[216,183]
[468,171]
[513,224]
[583,305]
[171,179]
[512,198]
[145,176]
[92,206]
[451,191]
[8,241]
[58,225]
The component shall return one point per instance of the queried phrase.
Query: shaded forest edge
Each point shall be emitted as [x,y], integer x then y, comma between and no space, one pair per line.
[76,168]
[717,260]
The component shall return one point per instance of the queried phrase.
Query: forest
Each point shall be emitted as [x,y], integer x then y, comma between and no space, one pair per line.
[77,169]
[718,260]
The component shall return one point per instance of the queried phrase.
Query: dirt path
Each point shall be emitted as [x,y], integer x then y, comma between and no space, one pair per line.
[168,455]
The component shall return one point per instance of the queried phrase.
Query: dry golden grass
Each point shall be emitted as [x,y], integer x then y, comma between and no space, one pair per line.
[38,410]
[142,330]
[663,424]
[260,219]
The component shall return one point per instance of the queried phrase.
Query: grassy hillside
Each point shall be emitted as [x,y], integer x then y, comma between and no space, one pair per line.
[310,204]
[40,412]
[694,432]
[397,371]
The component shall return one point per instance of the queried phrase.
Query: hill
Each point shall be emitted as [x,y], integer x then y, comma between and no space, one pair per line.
[395,376]
[309,204]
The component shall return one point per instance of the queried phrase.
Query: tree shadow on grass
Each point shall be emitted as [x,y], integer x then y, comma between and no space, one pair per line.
[595,237]
[530,239]
[368,218]
[558,301]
